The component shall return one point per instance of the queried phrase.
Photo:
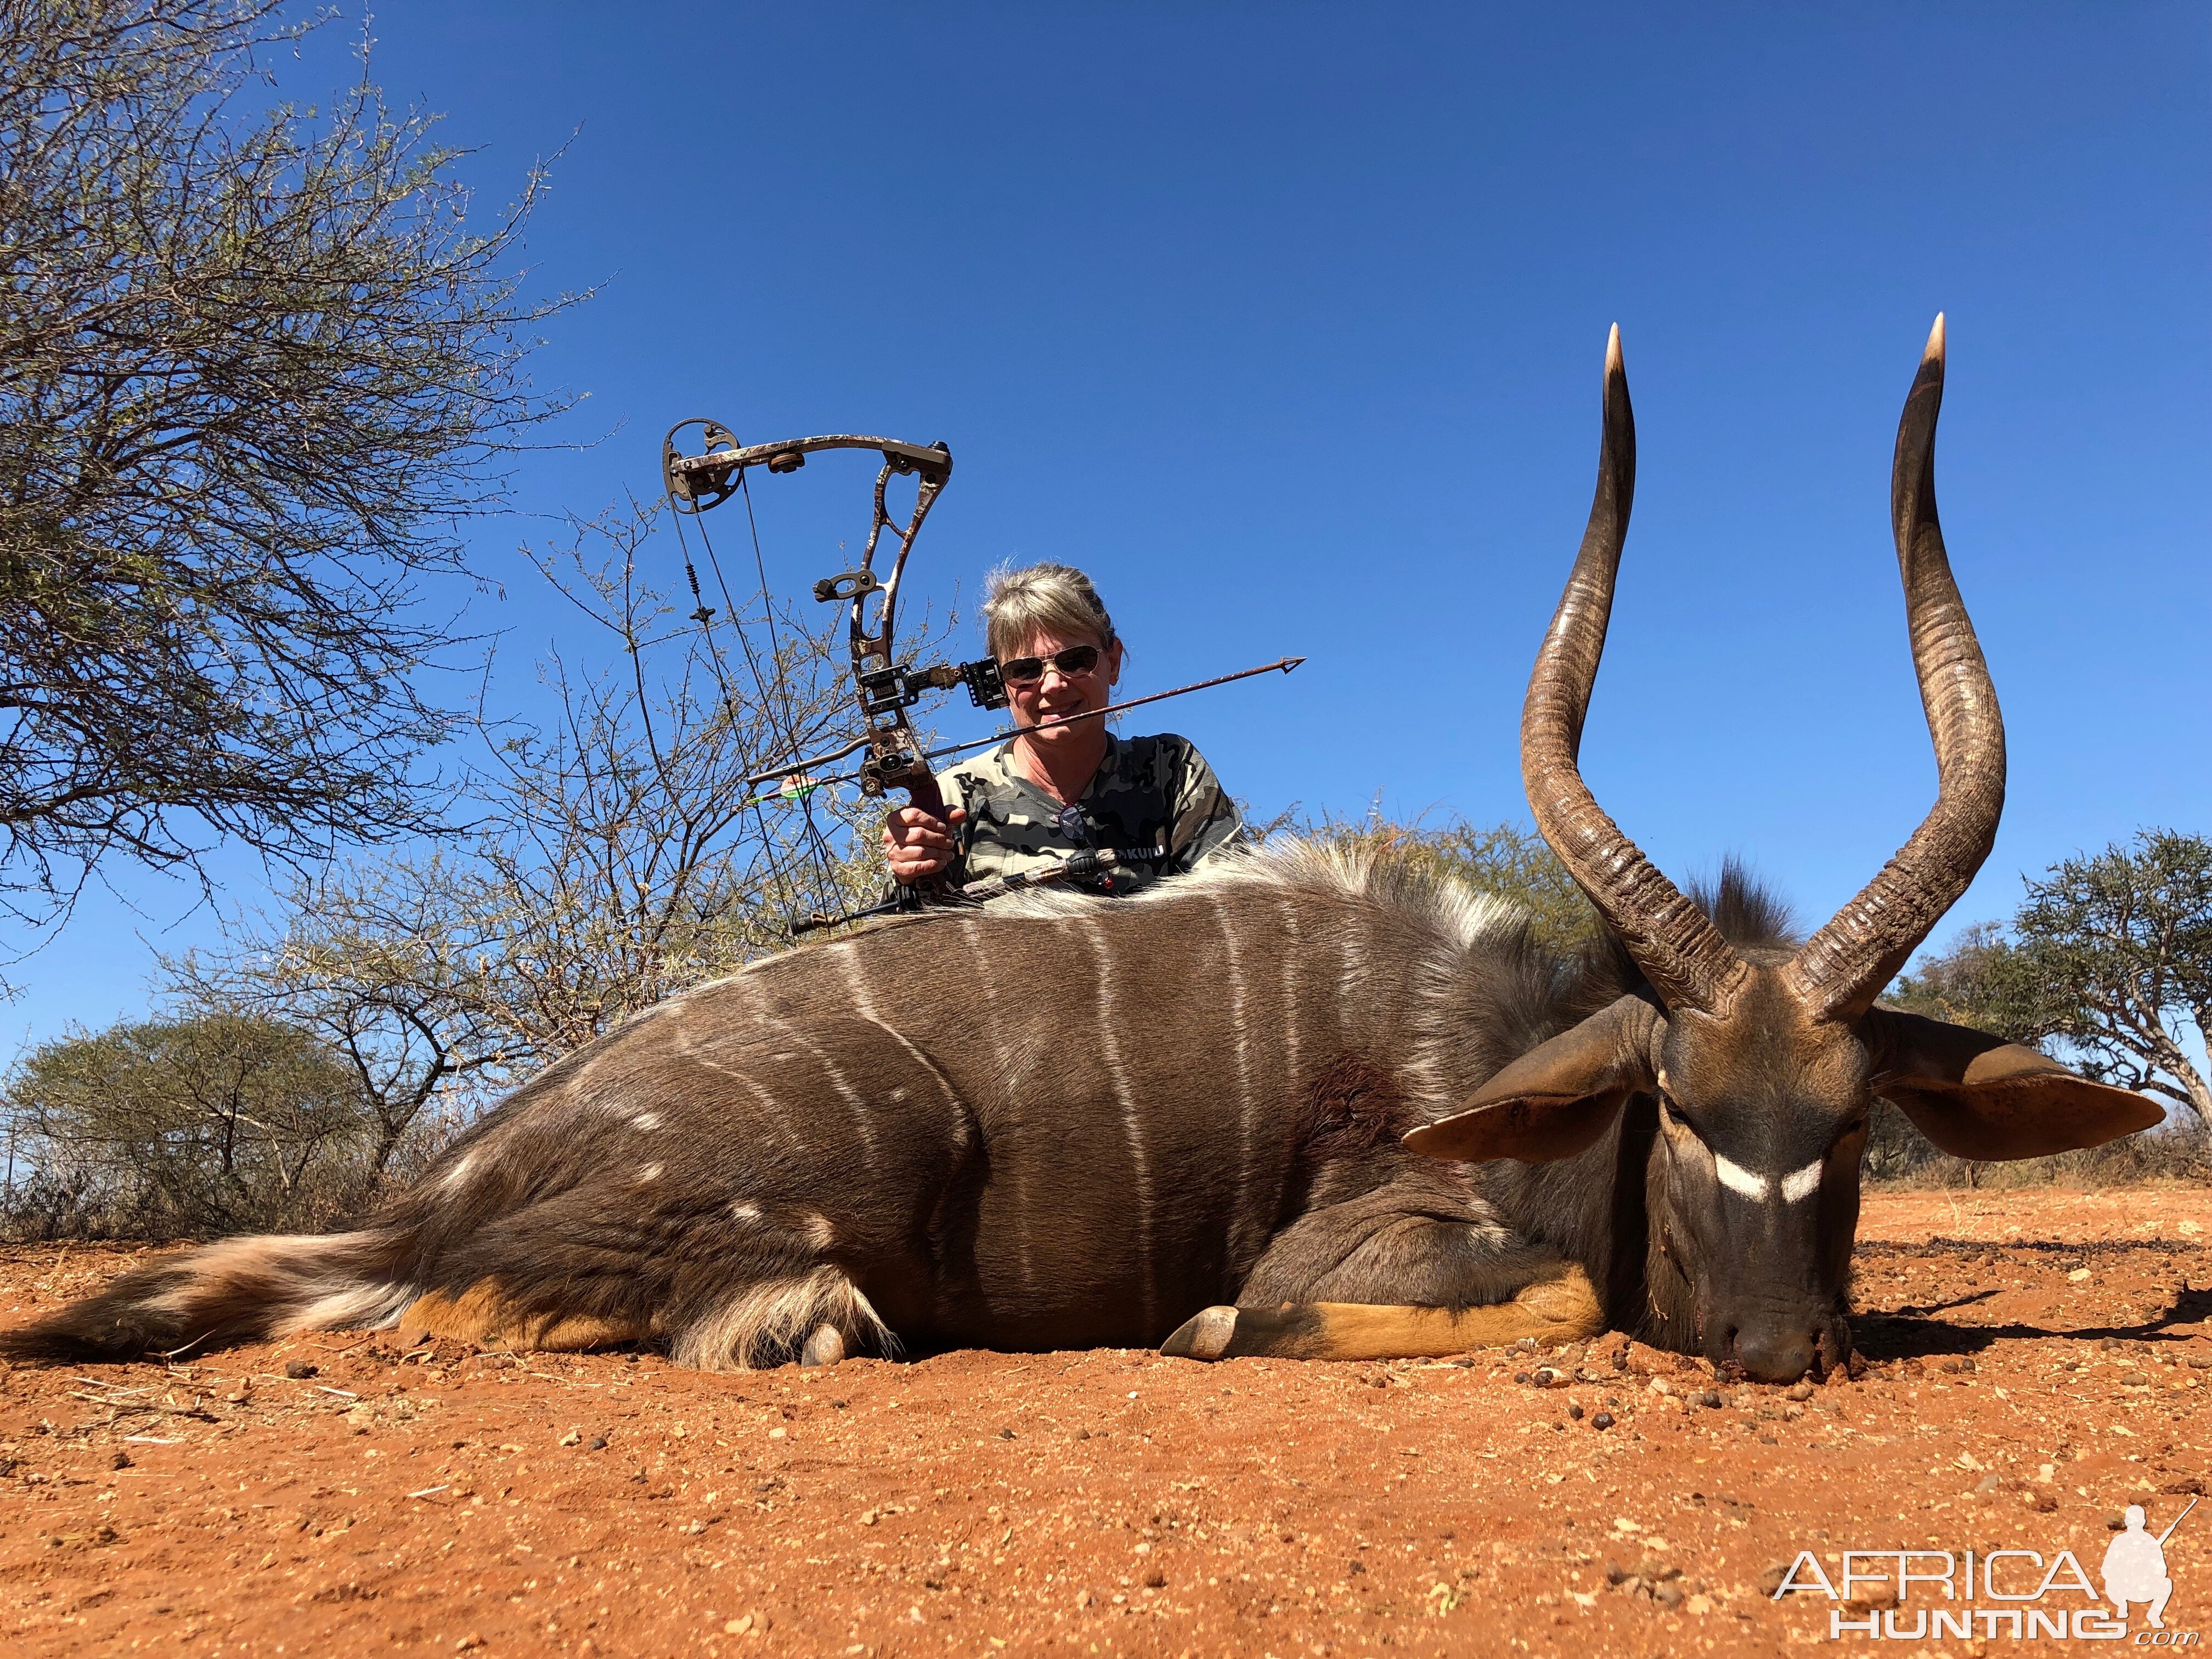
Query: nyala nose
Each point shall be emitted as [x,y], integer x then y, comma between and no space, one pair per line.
[1775,1355]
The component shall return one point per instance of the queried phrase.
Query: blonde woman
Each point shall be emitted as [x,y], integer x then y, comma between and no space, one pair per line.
[1045,795]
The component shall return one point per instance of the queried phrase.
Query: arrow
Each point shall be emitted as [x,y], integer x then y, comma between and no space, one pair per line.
[798,769]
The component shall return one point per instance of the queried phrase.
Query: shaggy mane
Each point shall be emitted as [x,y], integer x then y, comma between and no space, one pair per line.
[1373,875]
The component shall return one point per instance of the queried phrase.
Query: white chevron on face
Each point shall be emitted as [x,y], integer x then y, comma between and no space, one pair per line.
[1795,1187]
[1737,1179]
[1801,1184]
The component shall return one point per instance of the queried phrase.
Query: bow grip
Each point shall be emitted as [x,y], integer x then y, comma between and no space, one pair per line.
[902,769]
[923,791]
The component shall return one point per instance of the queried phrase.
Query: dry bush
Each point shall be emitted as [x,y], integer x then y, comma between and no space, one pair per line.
[254,367]
[189,1128]
[617,856]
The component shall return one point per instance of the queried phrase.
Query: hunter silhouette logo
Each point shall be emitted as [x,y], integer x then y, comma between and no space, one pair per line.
[1915,1595]
[2135,1566]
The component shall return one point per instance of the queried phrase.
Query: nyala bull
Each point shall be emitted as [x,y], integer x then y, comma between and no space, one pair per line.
[1299,1103]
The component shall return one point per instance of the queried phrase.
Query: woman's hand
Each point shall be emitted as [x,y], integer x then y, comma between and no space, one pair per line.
[918,844]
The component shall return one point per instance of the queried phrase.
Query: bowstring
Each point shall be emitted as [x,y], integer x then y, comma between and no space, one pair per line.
[823,857]
[779,872]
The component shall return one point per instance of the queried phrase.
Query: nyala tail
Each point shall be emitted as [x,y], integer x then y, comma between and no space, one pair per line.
[241,1290]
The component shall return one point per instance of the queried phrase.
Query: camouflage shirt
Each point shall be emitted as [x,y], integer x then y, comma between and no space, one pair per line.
[1149,792]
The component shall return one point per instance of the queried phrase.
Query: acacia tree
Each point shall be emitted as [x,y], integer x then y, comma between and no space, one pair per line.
[2114,958]
[194,1126]
[253,365]
[386,966]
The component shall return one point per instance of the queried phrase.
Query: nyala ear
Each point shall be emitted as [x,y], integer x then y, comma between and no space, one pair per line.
[1978,1097]
[1557,1099]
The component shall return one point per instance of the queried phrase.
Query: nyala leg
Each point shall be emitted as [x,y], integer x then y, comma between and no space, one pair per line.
[484,1315]
[1562,1308]
[1396,1273]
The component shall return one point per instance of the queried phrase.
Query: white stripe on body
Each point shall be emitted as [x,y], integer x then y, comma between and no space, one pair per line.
[779,1122]
[1237,1006]
[982,978]
[1351,973]
[1109,1050]
[1003,1068]
[856,981]
[951,1095]
[840,1083]
[1290,965]
[1430,1030]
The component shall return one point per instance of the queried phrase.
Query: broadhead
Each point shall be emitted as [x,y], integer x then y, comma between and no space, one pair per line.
[1934,354]
[1289,663]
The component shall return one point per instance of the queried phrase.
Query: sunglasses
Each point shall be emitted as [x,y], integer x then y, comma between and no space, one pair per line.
[1028,670]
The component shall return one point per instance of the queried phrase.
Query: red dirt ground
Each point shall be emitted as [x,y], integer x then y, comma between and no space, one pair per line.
[2035,1361]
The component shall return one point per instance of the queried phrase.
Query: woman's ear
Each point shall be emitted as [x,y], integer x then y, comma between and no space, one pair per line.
[1114,664]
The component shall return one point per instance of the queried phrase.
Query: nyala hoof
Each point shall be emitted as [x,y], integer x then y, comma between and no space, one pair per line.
[1204,1335]
[825,1347]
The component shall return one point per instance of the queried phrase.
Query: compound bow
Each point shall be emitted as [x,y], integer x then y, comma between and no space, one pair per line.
[884,688]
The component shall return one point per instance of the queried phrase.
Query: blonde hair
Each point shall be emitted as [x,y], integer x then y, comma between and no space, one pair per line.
[1043,598]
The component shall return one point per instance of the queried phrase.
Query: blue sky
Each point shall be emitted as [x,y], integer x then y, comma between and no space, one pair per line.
[1286,322]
